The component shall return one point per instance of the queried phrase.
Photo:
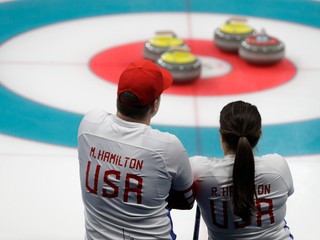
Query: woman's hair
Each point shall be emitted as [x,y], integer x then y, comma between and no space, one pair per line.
[240,128]
[128,104]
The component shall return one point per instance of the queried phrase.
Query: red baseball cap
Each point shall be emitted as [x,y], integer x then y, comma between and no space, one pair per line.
[144,79]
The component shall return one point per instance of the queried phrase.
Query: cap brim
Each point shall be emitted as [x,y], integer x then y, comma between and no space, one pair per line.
[167,78]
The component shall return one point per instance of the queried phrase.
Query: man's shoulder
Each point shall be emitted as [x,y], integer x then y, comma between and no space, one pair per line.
[96,115]
[91,121]
[163,136]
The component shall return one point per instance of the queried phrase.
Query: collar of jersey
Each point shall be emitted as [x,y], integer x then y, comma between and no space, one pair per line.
[125,123]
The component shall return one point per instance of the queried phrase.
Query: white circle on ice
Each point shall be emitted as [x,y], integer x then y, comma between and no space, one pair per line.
[213,67]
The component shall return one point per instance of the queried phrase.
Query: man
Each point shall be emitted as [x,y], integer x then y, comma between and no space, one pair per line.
[131,174]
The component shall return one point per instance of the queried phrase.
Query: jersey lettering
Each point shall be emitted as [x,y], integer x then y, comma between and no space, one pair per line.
[225,216]
[111,184]
[133,184]
[95,181]
[137,189]
[263,206]
[268,211]
[115,159]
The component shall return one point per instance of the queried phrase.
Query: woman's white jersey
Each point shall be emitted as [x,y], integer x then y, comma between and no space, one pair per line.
[127,170]
[273,183]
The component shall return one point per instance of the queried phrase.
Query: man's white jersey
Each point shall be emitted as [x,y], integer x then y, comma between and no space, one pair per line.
[127,170]
[273,183]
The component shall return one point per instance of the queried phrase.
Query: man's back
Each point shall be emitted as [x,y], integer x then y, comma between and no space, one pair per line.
[127,170]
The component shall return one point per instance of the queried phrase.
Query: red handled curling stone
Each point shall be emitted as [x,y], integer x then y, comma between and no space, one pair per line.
[262,49]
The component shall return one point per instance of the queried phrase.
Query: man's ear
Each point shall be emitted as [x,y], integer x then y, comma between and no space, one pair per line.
[155,106]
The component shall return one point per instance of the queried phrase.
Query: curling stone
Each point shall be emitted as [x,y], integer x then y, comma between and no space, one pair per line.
[262,49]
[183,65]
[229,36]
[161,43]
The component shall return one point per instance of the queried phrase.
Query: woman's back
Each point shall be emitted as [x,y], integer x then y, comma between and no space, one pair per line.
[273,185]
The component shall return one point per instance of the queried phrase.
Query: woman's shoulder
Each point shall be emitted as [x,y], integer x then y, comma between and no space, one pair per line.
[202,159]
[199,158]
[273,158]
[273,162]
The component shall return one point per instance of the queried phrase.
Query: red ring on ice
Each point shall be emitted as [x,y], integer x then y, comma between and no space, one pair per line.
[243,78]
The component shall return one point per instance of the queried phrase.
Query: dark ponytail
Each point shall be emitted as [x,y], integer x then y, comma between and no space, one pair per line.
[243,181]
[240,128]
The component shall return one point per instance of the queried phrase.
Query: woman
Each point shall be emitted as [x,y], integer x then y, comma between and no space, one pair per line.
[242,196]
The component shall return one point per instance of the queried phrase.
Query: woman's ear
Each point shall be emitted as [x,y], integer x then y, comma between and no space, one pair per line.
[221,137]
[222,143]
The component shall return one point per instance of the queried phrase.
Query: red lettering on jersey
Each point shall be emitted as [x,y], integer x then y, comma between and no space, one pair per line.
[111,184]
[261,204]
[139,164]
[133,163]
[92,152]
[226,191]
[106,156]
[96,176]
[269,211]
[214,192]
[101,154]
[225,214]
[133,183]
[137,189]
[263,189]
